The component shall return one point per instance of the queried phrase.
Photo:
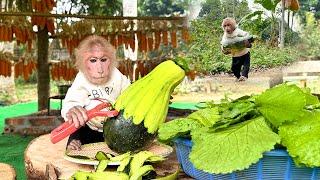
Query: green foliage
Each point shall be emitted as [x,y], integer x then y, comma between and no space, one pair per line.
[22,5]
[256,24]
[162,7]
[311,36]
[217,10]
[205,50]
[268,4]
[234,8]
[145,7]
[317,10]
[206,33]
[211,8]
[263,56]
[206,56]
[309,6]
[100,7]
[292,37]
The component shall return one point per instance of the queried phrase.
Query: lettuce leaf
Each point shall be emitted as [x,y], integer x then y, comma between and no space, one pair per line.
[233,148]
[177,128]
[207,116]
[182,126]
[235,109]
[302,139]
[281,103]
[310,99]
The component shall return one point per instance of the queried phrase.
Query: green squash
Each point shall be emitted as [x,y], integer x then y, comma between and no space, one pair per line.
[122,135]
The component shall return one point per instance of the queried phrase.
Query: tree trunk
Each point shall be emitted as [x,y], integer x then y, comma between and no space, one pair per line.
[292,19]
[282,25]
[43,69]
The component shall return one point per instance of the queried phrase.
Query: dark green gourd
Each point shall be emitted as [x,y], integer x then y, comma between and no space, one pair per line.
[122,135]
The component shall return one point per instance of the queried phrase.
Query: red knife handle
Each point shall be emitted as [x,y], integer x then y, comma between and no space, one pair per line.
[62,131]
[66,129]
[112,113]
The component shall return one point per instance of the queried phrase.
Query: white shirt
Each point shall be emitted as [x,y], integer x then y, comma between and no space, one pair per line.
[237,34]
[83,93]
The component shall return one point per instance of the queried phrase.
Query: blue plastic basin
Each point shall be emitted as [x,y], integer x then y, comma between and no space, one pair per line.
[275,165]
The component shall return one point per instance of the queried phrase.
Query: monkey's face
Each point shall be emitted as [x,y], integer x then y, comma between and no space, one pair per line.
[96,65]
[228,27]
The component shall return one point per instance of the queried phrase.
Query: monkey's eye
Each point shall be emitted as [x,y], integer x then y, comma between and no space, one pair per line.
[93,60]
[104,59]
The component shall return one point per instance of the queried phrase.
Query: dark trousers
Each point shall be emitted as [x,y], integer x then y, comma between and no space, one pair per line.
[242,62]
[86,135]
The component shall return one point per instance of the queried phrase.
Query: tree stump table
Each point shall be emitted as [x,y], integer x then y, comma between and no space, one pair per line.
[7,172]
[44,160]
[41,156]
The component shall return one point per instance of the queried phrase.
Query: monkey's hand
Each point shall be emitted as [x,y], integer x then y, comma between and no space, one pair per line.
[77,115]
[225,51]
[247,44]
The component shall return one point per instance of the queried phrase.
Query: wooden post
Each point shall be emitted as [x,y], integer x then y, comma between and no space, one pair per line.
[43,69]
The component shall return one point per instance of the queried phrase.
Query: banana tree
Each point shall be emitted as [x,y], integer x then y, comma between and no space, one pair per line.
[271,6]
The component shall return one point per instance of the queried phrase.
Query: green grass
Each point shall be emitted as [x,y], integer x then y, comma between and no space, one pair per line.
[12,146]
[12,153]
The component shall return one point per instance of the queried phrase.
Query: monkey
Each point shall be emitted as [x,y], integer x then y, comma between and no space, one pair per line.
[241,54]
[98,78]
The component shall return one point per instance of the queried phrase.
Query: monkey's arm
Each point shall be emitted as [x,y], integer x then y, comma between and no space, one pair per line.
[77,95]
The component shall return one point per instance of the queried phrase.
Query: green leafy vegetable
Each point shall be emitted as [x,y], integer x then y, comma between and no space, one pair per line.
[310,99]
[302,139]
[281,103]
[207,117]
[234,134]
[182,126]
[177,128]
[234,148]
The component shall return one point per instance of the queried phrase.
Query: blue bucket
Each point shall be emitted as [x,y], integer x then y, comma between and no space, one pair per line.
[275,165]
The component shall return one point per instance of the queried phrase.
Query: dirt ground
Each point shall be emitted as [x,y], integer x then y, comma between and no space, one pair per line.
[225,85]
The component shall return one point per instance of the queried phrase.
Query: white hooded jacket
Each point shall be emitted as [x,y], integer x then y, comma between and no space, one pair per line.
[234,36]
[83,93]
